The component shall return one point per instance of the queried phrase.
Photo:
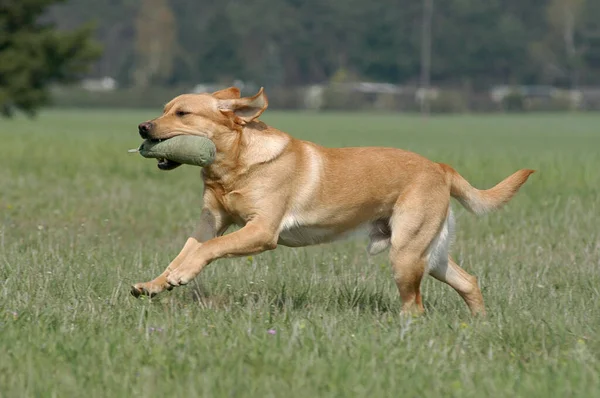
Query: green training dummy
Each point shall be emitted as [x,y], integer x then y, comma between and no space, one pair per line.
[178,150]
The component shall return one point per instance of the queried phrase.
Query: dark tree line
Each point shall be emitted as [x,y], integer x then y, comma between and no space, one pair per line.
[294,42]
[274,43]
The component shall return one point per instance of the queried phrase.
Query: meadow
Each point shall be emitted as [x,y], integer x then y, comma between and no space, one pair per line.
[81,220]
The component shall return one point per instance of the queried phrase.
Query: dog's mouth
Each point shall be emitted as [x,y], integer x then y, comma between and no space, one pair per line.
[164,164]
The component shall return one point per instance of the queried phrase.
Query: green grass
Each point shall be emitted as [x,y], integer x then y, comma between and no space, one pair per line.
[80,220]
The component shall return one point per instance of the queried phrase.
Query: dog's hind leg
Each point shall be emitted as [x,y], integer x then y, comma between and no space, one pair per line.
[443,268]
[464,283]
[414,227]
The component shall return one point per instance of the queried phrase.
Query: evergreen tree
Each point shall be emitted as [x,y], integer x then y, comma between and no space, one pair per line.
[34,54]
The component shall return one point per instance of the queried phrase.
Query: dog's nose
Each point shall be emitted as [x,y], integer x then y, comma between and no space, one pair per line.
[144,129]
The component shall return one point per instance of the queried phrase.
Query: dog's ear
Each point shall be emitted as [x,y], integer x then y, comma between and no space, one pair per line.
[227,93]
[246,109]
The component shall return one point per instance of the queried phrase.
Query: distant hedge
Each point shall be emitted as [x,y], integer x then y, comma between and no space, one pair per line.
[330,98]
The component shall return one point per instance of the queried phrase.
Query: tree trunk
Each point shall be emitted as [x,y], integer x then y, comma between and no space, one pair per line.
[426,55]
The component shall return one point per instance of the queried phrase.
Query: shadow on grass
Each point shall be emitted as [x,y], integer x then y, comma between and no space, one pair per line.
[334,298]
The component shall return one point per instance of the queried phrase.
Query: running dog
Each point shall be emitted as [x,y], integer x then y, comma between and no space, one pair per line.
[285,191]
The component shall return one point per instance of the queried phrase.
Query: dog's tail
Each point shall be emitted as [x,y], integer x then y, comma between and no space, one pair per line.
[483,201]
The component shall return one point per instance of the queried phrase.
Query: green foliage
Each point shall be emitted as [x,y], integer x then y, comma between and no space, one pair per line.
[553,104]
[514,102]
[80,220]
[449,102]
[33,54]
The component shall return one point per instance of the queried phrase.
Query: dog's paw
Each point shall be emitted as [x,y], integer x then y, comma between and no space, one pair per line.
[148,289]
[180,276]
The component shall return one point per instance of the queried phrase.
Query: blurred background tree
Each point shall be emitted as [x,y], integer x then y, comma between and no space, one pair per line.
[155,43]
[299,42]
[34,54]
[157,48]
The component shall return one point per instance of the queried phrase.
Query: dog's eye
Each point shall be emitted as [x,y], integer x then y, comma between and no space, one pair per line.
[182,113]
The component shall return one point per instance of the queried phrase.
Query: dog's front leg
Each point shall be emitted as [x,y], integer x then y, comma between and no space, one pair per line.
[213,222]
[255,237]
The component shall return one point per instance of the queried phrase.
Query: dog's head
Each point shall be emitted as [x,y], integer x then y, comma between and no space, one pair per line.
[206,115]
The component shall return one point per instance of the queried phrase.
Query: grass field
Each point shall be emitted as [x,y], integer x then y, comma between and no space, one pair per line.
[80,220]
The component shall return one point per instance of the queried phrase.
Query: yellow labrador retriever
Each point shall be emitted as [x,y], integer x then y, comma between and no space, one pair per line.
[284,191]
